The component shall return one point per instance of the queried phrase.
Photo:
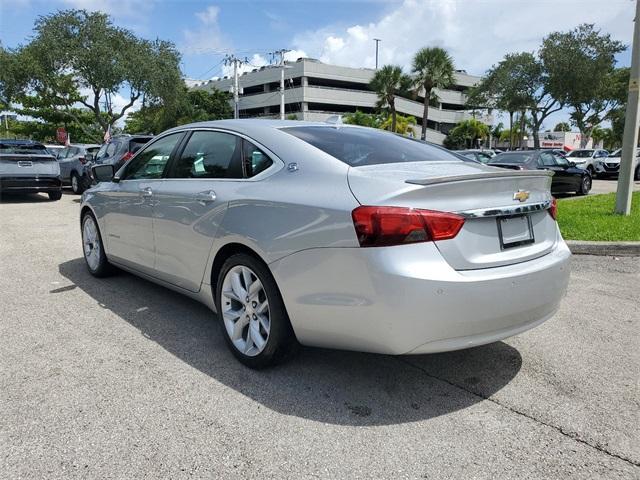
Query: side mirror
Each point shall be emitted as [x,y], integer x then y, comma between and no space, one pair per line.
[102,173]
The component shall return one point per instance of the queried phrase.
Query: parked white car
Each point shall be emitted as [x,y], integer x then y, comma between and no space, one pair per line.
[587,158]
[610,166]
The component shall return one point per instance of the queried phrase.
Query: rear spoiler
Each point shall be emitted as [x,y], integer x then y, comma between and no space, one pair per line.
[480,176]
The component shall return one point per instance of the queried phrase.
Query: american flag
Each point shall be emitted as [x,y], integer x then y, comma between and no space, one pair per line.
[107,134]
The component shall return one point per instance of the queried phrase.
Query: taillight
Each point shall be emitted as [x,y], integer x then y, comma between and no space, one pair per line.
[127,156]
[386,226]
[553,209]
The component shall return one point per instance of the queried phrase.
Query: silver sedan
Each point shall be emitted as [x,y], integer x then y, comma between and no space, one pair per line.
[331,236]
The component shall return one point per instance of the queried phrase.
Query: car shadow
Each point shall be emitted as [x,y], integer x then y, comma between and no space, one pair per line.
[330,386]
[24,198]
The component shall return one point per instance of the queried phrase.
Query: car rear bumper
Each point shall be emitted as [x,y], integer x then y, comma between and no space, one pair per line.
[30,184]
[408,300]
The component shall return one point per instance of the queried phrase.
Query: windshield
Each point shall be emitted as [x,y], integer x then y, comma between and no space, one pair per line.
[363,146]
[581,154]
[516,157]
[23,149]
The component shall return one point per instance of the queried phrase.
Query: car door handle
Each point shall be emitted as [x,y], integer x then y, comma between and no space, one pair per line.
[146,192]
[206,197]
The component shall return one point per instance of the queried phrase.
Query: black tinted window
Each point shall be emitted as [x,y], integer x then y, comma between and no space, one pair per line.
[359,146]
[512,158]
[254,159]
[209,155]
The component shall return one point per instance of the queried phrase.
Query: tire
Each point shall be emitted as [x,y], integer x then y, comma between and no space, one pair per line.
[55,195]
[636,176]
[77,184]
[592,171]
[585,185]
[94,255]
[258,338]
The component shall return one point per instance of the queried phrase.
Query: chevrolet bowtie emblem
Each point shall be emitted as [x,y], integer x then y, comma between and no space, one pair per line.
[521,195]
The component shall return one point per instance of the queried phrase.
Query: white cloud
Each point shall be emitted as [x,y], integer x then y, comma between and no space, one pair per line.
[209,16]
[477,34]
[206,37]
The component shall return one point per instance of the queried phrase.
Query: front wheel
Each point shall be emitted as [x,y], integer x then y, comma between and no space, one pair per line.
[93,248]
[254,320]
[585,185]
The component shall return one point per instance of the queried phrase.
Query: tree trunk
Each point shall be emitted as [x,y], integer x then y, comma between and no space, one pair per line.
[392,106]
[522,118]
[510,130]
[425,113]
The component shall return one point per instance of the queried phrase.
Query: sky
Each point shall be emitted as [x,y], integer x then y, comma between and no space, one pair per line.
[477,33]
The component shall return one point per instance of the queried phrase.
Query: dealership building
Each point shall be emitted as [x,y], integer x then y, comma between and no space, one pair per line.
[315,91]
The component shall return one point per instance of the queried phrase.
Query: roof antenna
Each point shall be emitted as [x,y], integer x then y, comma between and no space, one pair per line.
[334,120]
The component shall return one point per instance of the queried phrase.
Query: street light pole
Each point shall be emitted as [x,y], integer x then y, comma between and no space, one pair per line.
[377,40]
[630,139]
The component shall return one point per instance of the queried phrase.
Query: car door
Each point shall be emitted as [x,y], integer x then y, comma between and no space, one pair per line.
[130,233]
[191,202]
[547,161]
[63,160]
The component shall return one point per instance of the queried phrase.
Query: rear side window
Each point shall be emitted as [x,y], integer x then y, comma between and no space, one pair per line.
[254,159]
[359,146]
[209,155]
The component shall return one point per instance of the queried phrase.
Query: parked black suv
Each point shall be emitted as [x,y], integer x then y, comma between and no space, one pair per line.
[119,149]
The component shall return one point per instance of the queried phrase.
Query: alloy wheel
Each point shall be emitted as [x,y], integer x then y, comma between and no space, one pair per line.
[91,242]
[74,183]
[245,310]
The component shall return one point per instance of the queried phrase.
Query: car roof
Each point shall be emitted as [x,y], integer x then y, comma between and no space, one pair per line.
[14,142]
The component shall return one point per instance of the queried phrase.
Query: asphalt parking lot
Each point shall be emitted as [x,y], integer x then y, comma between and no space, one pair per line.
[119,378]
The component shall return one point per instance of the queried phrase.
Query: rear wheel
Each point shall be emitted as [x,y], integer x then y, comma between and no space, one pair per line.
[77,185]
[253,317]
[93,248]
[585,185]
[55,195]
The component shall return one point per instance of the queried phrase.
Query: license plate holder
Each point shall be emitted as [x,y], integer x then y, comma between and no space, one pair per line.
[515,231]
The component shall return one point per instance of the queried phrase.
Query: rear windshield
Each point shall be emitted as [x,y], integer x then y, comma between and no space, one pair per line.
[581,153]
[28,149]
[358,147]
[93,150]
[136,143]
[512,158]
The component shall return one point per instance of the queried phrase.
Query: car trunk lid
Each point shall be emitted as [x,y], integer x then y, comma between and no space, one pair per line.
[499,219]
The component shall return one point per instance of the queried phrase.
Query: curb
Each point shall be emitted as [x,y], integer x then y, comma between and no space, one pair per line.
[610,249]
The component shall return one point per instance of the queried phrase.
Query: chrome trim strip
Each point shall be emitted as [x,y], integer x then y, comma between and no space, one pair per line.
[481,176]
[506,210]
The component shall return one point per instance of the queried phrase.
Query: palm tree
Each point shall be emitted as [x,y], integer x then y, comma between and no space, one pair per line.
[432,68]
[388,82]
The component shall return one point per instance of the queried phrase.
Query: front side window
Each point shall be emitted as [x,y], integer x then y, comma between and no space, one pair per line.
[151,162]
[548,160]
[209,155]
[254,159]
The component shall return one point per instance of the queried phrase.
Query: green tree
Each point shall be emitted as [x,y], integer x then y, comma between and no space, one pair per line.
[363,119]
[99,61]
[432,68]
[581,74]
[190,106]
[466,134]
[518,83]
[562,127]
[404,124]
[388,83]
